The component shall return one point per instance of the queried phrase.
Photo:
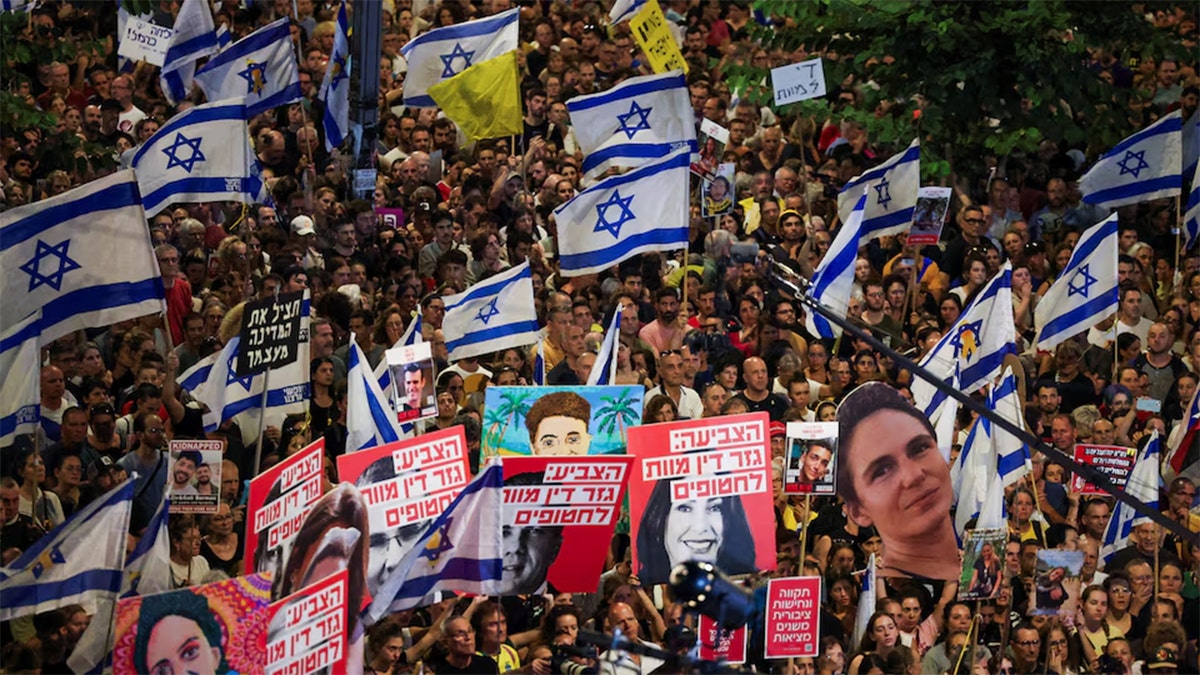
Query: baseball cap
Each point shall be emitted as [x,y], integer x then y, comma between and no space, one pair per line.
[1163,658]
[302,225]
[778,429]
[103,464]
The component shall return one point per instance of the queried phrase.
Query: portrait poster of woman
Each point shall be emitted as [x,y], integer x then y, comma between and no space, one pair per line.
[983,564]
[1056,583]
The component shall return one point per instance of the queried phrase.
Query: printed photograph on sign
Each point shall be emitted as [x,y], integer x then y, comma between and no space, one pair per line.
[811,458]
[718,191]
[307,630]
[711,141]
[1114,461]
[983,564]
[792,617]
[559,420]
[929,216]
[412,381]
[219,626]
[559,516]
[276,504]
[195,476]
[1056,583]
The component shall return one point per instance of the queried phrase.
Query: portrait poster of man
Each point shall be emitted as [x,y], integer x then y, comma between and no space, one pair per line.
[811,458]
[701,490]
[929,216]
[194,481]
[306,631]
[405,485]
[412,381]
[718,191]
[276,504]
[561,420]
[983,564]
[1056,583]
[218,626]
[558,518]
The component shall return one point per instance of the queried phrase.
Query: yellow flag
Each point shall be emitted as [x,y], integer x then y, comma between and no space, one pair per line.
[485,99]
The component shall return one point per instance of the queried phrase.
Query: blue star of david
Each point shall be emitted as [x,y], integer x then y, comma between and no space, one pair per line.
[231,375]
[882,193]
[613,227]
[457,53]
[255,76]
[439,543]
[339,71]
[34,267]
[1084,276]
[966,340]
[172,152]
[643,121]
[1136,169]
[487,312]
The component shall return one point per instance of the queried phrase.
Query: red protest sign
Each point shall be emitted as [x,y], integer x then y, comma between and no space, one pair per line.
[559,516]
[276,504]
[701,490]
[1112,460]
[792,617]
[306,631]
[721,644]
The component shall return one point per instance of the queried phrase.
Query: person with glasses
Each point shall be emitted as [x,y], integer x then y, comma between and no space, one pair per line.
[971,226]
[1026,644]
[149,460]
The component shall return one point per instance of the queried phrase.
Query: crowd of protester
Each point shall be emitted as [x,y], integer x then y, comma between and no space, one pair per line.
[704,330]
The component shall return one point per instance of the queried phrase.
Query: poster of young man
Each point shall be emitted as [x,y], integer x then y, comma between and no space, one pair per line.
[1056,583]
[214,628]
[412,381]
[929,216]
[306,631]
[983,564]
[701,490]
[276,504]
[195,477]
[718,191]
[566,420]
[558,517]
[405,485]
[811,458]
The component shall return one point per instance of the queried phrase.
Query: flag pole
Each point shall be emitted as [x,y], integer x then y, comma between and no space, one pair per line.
[262,410]
[1175,274]
[804,531]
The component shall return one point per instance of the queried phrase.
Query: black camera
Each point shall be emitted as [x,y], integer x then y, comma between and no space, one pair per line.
[562,655]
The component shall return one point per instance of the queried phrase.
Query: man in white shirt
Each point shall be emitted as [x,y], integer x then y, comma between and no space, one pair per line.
[670,372]
[621,618]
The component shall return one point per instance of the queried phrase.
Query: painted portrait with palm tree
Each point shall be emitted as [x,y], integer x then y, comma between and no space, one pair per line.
[571,420]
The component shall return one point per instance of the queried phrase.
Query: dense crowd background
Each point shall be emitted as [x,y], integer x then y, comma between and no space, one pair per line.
[110,399]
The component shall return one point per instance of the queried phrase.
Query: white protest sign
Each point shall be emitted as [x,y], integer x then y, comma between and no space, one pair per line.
[144,41]
[798,81]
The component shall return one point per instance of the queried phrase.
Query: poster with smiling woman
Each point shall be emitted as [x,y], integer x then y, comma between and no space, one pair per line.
[701,490]
[565,420]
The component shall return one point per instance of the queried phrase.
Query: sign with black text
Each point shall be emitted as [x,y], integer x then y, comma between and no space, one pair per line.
[270,336]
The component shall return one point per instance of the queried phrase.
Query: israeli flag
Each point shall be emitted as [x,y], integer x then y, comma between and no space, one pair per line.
[78,562]
[1012,454]
[891,190]
[539,365]
[604,370]
[1191,159]
[637,121]
[445,52]
[1143,485]
[494,314]
[83,258]
[833,281]
[21,386]
[866,602]
[370,420]
[335,88]
[195,37]
[1145,166]
[201,155]
[260,69]
[1086,290]
[624,9]
[621,216]
[970,474]
[975,345]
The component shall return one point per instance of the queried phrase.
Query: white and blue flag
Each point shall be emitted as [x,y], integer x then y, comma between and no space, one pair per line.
[445,52]
[621,216]
[84,258]
[1143,485]
[201,155]
[833,280]
[1191,160]
[1013,459]
[194,37]
[891,189]
[20,379]
[624,9]
[991,458]
[1145,166]
[970,474]
[494,314]
[335,88]
[370,419]
[539,365]
[78,562]
[637,121]
[866,602]
[461,550]
[1085,292]
[604,370]
[260,69]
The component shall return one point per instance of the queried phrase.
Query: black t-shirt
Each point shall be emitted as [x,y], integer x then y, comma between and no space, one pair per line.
[773,404]
[478,664]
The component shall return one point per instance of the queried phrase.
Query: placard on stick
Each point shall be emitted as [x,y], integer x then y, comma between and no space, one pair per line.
[798,81]
[195,478]
[721,644]
[792,616]
[270,336]
[144,41]
[1113,461]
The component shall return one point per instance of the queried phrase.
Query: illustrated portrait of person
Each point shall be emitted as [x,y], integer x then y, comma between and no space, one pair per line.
[388,547]
[985,575]
[177,633]
[890,474]
[414,386]
[719,197]
[558,424]
[528,550]
[814,463]
[714,530]
[183,471]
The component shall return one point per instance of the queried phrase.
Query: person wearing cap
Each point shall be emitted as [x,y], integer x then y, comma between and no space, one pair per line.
[778,433]
[304,235]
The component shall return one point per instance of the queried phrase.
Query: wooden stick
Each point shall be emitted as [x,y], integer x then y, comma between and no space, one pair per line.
[804,531]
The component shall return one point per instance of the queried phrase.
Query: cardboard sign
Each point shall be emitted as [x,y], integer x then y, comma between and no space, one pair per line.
[721,644]
[1056,583]
[270,336]
[1112,460]
[276,504]
[391,217]
[195,478]
[798,81]
[792,617]
[558,517]
[412,372]
[653,34]
[983,564]
[144,41]
[701,490]
[811,458]
[405,485]
[306,631]
[929,216]
[233,611]
[567,420]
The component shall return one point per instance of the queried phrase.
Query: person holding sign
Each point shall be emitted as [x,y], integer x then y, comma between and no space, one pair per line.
[713,530]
